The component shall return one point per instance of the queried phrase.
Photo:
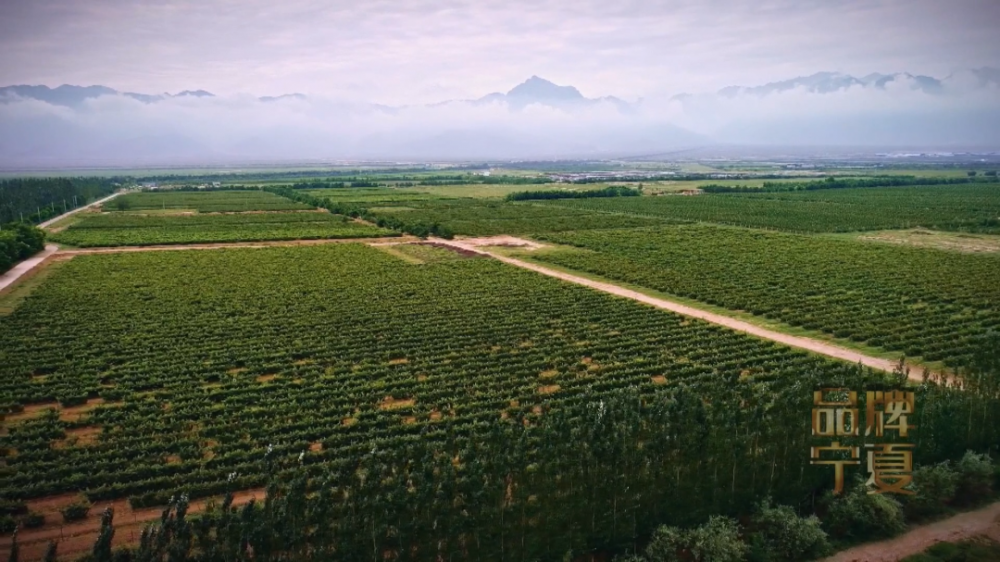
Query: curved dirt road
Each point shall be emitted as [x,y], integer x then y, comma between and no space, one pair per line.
[808,344]
[985,521]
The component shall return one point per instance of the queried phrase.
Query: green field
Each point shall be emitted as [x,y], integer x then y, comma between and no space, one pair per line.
[205,201]
[121,229]
[476,217]
[928,303]
[211,356]
[974,208]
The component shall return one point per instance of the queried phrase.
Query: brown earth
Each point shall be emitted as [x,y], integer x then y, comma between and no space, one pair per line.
[217,245]
[77,538]
[985,521]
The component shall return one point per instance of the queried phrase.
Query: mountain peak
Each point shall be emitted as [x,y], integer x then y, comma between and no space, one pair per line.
[540,89]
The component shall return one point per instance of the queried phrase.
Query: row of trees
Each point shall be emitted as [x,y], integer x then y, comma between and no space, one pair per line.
[838,183]
[19,241]
[34,200]
[416,228]
[612,477]
[609,191]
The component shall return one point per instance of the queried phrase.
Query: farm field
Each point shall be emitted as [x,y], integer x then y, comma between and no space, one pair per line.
[480,217]
[421,402]
[927,303]
[370,195]
[973,208]
[125,229]
[205,201]
[317,349]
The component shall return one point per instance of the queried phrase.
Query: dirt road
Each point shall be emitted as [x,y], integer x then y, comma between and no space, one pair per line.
[22,269]
[50,222]
[220,245]
[815,346]
[985,521]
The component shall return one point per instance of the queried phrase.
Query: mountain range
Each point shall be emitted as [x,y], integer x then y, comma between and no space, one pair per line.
[535,119]
[536,90]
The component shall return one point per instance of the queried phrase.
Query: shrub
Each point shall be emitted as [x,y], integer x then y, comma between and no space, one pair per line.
[781,535]
[75,511]
[715,541]
[33,520]
[859,515]
[935,488]
[975,482]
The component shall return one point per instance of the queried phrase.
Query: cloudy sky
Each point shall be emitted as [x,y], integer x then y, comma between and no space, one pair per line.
[416,51]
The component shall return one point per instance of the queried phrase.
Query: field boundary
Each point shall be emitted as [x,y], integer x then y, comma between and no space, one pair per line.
[54,220]
[808,344]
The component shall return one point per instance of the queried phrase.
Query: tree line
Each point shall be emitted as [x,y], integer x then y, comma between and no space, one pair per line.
[19,241]
[609,191]
[679,476]
[34,200]
[837,183]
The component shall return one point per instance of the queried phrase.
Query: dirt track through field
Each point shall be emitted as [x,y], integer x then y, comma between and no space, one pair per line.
[808,344]
[222,245]
[985,521]
[52,221]
[22,269]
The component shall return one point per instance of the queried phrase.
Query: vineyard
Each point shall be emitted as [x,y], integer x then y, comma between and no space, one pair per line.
[964,207]
[481,217]
[928,303]
[121,229]
[205,201]
[370,196]
[403,401]
[179,370]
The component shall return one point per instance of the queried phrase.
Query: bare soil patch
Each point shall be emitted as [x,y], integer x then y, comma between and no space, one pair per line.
[390,403]
[77,538]
[70,414]
[502,241]
[78,437]
[548,389]
[951,241]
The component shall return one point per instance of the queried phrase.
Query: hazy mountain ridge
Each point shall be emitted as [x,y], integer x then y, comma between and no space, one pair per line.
[830,82]
[536,90]
[535,119]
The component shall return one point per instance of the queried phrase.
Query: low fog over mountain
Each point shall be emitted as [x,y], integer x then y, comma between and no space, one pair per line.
[70,125]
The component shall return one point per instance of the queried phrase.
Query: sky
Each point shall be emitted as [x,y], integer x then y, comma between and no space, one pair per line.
[421,51]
